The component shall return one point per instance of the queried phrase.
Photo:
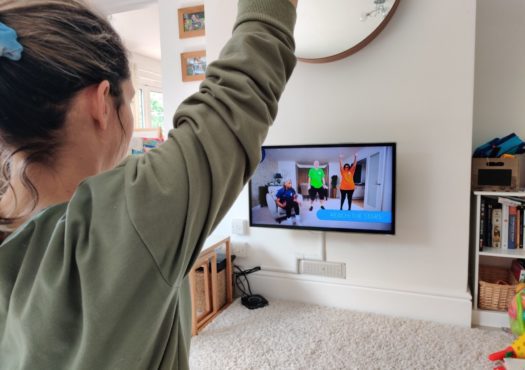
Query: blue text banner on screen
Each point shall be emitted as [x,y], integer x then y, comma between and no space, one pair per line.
[355,216]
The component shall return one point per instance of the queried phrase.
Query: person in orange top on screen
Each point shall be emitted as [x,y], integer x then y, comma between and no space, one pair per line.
[347,180]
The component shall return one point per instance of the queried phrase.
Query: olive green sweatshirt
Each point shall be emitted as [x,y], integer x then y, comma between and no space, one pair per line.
[100,282]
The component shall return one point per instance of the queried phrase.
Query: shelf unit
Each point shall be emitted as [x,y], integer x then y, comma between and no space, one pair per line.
[488,317]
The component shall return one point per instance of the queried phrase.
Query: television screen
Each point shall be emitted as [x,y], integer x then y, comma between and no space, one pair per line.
[343,187]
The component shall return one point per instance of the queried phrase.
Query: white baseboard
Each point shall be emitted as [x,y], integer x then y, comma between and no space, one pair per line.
[496,319]
[455,310]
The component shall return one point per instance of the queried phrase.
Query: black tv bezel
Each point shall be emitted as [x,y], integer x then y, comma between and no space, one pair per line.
[392,231]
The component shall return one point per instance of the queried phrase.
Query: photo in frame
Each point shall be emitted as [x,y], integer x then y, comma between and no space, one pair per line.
[193,65]
[191,22]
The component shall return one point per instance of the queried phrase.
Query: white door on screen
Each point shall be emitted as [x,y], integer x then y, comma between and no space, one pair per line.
[374,180]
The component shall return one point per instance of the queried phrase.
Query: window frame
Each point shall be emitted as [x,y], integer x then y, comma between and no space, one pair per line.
[147,79]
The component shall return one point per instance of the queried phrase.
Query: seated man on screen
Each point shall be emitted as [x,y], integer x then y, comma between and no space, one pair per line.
[287,200]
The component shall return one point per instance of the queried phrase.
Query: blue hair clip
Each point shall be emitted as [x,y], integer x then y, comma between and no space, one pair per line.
[10,48]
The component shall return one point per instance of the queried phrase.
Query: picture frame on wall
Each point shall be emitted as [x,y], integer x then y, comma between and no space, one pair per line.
[193,65]
[192,22]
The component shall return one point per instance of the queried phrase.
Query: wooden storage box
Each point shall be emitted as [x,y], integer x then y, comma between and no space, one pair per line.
[211,290]
[498,174]
[497,286]
[201,291]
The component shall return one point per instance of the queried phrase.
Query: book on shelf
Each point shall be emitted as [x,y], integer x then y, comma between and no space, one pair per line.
[501,222]
[509,201]
[511,243]
[504,226]
[496,228]
[519,228]
[508,222]
[488,226]
[482,224]
[522,226]
[487,206]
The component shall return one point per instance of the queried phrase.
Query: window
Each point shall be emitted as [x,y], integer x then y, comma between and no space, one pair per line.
[156,109]
[141,119]
[148,107]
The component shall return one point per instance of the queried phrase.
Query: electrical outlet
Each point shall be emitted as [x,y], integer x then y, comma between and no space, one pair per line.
[239,226]
[240,249]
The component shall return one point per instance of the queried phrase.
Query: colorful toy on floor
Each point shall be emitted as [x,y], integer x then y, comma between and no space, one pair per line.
[517,325]
[516,314]
[516,349]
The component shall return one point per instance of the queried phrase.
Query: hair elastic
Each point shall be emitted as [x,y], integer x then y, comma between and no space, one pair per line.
[10,48]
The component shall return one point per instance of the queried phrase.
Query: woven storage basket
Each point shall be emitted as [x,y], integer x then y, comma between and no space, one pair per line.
[497,286]
[200,297]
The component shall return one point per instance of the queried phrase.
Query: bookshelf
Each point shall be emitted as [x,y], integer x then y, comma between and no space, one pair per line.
[503,253]
[492,256]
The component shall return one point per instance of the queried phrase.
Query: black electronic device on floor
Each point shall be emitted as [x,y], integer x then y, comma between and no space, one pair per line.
[254,301]
[248,299]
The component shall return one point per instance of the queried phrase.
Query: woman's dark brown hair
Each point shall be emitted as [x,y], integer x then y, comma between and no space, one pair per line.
[67,47]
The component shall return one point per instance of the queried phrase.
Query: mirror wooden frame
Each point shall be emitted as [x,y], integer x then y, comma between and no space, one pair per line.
[354,49]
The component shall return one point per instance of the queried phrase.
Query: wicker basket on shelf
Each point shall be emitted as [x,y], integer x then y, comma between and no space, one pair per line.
[496,288]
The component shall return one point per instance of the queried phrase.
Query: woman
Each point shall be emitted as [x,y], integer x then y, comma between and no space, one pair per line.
[95,255]
[347,180]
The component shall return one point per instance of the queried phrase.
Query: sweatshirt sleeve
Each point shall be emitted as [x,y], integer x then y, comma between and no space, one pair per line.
[177,194]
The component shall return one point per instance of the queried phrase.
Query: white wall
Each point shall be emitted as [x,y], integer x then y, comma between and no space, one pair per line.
[175,90]
[144,40]
[499,104]
[288,171]
[412,85]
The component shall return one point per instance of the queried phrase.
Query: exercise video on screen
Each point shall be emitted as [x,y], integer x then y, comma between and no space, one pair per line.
[336,188]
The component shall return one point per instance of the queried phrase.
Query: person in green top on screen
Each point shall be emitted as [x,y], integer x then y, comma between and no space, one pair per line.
[316,185]
[95,251]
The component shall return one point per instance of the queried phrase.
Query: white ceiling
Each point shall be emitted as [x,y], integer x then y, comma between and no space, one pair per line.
[140,30]
[117,6]
[137,22]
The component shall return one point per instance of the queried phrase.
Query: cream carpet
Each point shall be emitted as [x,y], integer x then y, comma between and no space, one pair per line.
[288,335]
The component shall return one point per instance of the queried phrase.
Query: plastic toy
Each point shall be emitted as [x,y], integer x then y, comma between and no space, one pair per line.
[517,324]
[516,314]
[516,349]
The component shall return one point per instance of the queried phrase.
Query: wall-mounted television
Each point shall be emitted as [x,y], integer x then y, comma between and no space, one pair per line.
[335,187]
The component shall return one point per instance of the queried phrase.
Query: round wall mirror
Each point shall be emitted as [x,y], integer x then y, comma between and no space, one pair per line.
[330,30]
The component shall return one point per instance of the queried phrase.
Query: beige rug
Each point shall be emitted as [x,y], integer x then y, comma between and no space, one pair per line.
[288,335]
